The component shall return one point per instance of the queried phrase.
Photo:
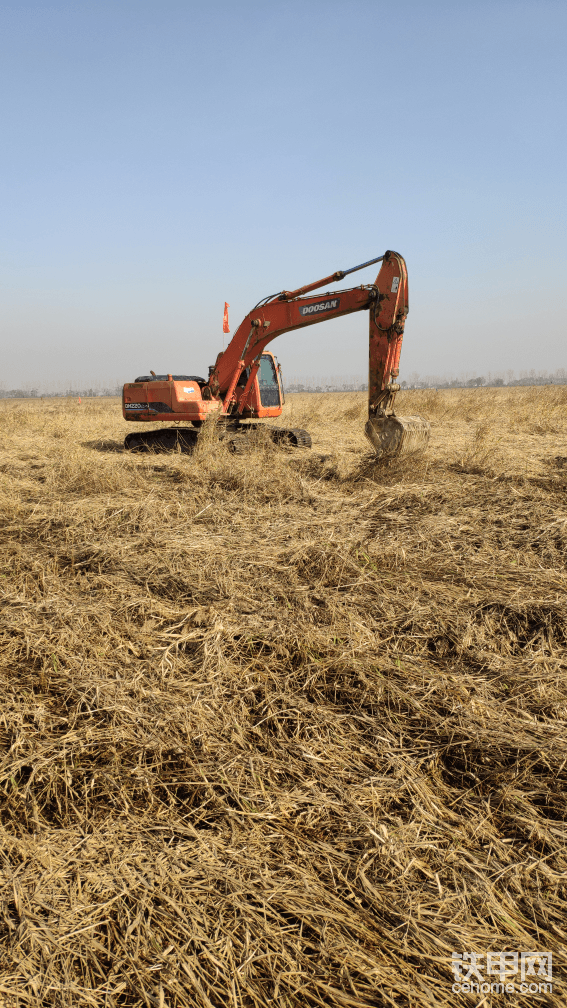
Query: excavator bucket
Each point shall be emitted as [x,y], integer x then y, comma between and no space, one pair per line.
[394,436]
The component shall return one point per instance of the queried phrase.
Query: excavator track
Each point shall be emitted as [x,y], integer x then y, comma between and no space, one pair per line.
[168,439]
[185,439]
[293,436]
[290,436]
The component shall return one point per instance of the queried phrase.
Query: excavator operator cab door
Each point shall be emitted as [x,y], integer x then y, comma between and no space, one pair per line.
[268,381]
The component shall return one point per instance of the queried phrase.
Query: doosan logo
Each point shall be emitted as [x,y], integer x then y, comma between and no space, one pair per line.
[320,306]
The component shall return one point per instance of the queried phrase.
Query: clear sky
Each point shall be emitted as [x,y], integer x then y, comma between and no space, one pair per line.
[161,158]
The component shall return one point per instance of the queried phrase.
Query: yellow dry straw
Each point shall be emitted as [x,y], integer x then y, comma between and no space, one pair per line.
[283,728]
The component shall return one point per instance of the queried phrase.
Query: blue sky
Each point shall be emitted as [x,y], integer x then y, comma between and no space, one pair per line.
[161,158]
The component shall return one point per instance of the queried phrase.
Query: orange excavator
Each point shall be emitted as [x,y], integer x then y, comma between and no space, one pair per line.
[245,384]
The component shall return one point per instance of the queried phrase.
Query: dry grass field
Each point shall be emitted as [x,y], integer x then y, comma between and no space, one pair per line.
[283,729]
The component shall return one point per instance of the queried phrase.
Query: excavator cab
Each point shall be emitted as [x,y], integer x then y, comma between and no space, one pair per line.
[268,381]
[269,391]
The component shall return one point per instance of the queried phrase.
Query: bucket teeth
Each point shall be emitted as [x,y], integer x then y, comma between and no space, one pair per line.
[393,436]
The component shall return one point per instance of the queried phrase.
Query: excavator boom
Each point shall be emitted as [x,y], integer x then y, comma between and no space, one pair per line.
[263,324]
[387,302]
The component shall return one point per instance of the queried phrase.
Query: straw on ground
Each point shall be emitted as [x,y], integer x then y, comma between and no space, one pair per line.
[282,729]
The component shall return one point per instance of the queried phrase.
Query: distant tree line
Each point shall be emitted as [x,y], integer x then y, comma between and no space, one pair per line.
[415,381]
[326,383]
[68,394]
[503,378]
[341,383]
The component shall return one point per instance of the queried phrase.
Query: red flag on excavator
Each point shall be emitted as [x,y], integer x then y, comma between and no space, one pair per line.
[225,318]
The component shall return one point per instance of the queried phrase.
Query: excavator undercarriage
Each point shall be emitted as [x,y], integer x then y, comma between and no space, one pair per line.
[238,438]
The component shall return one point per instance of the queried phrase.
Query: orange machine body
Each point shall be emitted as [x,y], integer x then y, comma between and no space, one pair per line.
[189,400]
[245,380]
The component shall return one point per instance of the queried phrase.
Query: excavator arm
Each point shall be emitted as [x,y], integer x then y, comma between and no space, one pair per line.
[386,299]
[387,302]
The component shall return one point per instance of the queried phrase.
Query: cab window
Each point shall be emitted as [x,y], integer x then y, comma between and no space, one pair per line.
[268,382]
